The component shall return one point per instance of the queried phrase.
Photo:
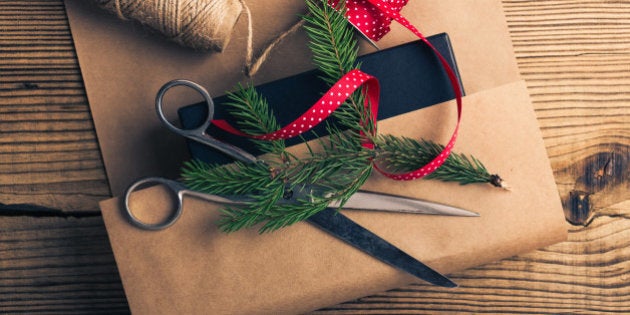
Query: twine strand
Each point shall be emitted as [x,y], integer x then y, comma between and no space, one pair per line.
[252,67]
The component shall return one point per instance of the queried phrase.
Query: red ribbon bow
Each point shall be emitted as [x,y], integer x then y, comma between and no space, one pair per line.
[372,18]
[368,18]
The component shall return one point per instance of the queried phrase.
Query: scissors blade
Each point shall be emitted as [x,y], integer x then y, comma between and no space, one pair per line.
[365,200]
[352,233]
[369,40]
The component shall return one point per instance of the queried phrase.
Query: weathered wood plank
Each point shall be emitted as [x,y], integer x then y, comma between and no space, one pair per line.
[575,58]
[49,153]
[60,265]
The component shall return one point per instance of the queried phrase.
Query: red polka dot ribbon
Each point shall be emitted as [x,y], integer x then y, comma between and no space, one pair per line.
[367,18]
[372,18]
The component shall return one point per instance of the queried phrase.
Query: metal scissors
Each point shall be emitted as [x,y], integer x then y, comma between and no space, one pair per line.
[330,220]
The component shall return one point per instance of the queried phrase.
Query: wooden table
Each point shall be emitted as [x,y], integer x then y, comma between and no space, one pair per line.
[55,256]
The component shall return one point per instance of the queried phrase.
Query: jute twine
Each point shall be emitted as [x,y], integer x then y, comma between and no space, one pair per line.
[200,24]
[204,25]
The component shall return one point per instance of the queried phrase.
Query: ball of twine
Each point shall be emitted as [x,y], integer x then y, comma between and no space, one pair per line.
[200,24]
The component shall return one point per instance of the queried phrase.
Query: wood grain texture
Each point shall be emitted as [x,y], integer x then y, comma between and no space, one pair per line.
[573,54]
[49,154]
[58,265]
[575,58]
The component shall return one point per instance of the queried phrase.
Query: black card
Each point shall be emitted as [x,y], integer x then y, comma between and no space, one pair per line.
[411,77]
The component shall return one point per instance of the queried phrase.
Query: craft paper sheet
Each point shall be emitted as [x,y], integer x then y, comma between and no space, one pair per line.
[192,268]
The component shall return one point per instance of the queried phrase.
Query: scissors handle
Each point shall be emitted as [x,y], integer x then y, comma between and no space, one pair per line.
[199,133]
[174,188]
[178,190]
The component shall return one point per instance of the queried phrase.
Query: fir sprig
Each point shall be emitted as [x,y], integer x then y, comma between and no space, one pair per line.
[403,154]
[339,167]
[339,170]
[233,179]
[332,42]
[252,112]
[335,52]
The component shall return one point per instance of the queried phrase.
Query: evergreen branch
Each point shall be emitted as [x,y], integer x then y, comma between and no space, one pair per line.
[254,212]
[269,208]
[339,171]
[332,40]
[402,154]
[335,51]
[233,179]
[253,116]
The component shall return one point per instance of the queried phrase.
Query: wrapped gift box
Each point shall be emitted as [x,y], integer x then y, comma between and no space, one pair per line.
[410,75]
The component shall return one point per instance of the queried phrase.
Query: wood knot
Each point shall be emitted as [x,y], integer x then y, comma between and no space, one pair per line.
[601,180]
[580,211]
[29,86]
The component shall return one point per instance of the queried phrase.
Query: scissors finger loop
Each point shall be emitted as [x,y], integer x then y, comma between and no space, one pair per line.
[159,103]
[175,188]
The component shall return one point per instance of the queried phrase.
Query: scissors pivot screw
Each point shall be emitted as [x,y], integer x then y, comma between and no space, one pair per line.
[288,194]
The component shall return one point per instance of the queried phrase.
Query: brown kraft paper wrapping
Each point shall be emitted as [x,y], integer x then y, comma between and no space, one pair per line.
[192,268]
